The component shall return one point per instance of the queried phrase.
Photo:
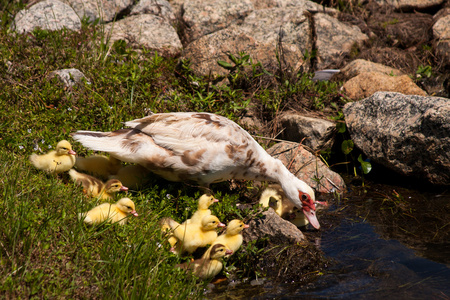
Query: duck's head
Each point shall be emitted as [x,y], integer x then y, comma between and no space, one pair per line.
[206,201]
[127,206]
[64,148]
[302,196]
[235,227]
[219,251]
[114,186]
[211,222]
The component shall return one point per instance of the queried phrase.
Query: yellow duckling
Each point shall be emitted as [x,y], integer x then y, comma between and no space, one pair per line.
[99,165]
[273,196]
[94,187]
[232,237]
[204,202]
[210,264]
[57,161]
[112,212]
[132,176]
[189,237]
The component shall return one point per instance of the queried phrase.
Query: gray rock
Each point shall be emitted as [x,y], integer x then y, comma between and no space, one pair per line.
[410,5]
[317,133]
[204,17]
[272,226]
[293,4]
[49,15]
[207,50]
[159,8]
[441,32]
[148,31]
[105,10]
[69,77]
[307,167]
[335,39]
[407,134]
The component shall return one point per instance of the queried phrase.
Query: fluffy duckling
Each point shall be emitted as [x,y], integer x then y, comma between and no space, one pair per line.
[57,161]
[204,202]
[210,264]
[189,237]
[132,176]
[232,237]
[273,196]
[99,165]
[95,187]
[112,212]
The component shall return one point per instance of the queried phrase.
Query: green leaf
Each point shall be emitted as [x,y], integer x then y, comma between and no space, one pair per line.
[341,127]
[347,146]
[365,165]
[225,64]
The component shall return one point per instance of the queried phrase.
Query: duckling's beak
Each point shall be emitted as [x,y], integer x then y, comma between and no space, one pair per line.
[228,252]
[246,226]
[221,225]
[216,200]
[72,152]
[123,188]
[134,213]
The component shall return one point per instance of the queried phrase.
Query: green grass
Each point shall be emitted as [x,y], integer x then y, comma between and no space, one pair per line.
[45,252]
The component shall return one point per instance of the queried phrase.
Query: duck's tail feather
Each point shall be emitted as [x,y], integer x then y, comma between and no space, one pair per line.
[103,141]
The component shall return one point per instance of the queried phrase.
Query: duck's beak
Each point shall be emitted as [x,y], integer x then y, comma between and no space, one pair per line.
[228,252]
[134,213]
[221,225]
[311,216]
[72,152]
[216,200]
[246,226]
[123,188]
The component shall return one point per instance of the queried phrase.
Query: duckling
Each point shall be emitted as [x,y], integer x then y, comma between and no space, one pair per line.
[232,237]
[189,237]
[99,165]
[210,264]
[204,202]
[133,176]
[274,197]
[112,212]
[57,161]
[95,187]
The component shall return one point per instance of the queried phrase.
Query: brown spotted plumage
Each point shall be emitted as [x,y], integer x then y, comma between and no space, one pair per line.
[201,147]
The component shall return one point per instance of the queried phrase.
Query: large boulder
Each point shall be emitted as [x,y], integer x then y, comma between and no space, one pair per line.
[49,15]
[407,134]
[441,32]
[148,31]
[105,10]
[367,83]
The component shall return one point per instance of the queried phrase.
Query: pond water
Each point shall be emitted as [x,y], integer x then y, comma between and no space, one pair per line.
[383,245]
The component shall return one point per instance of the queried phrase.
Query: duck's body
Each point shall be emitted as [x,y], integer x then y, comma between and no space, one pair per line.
[99,165]
[201,147]
[204,202]
[232,238]
[189,237]
[94,187]
[210,264]
[57,161]
[110,212]
[132,176]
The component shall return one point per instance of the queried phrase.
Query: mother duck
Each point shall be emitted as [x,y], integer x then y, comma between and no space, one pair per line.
[201,147]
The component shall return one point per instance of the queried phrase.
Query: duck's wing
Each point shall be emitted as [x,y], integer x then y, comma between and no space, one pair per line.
[179,132]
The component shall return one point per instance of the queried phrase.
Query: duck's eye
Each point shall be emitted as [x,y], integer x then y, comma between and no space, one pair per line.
[304,197]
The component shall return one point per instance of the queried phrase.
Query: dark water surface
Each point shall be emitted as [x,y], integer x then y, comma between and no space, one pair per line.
[382,247]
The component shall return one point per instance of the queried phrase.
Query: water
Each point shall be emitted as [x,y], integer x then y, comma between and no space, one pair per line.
[379,251]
